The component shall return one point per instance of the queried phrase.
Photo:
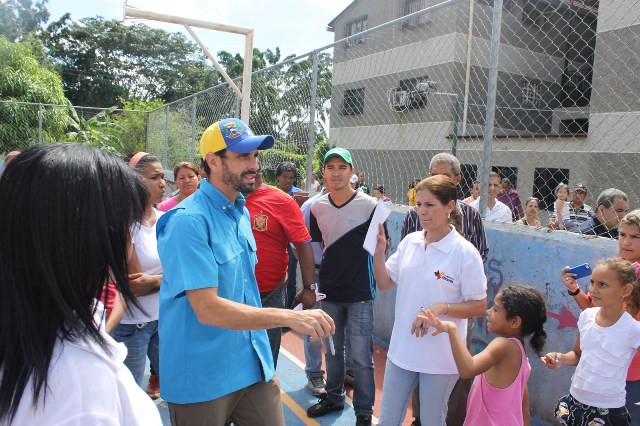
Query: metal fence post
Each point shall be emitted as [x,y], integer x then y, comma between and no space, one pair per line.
[456,118]
[165,153]
[494,59]
[194,108]
[311,136]
[40,123]
[147,131]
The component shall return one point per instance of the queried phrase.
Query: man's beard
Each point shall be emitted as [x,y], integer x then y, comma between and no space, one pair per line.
[236,181]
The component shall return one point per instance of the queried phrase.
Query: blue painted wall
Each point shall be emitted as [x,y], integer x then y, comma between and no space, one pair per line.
[520,254]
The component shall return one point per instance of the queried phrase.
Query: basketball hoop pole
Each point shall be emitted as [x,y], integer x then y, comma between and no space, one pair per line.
[245,93]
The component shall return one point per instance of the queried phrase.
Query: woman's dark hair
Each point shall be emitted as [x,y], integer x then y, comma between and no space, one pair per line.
[527,303]
[379,188]
[66,212]
[184,165]
[530,199]
[443,188]
[142,162]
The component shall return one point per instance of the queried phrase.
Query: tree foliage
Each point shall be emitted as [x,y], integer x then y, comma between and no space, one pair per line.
[98,131]
[134,122]
[280,96]
[20,18]
[103,61]
[25,80]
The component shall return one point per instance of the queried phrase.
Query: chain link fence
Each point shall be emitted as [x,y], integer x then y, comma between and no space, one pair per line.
[550,94]
[22,124]
[542,92]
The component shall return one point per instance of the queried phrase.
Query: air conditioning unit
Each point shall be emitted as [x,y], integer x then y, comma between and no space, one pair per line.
[427,87]
[399,99]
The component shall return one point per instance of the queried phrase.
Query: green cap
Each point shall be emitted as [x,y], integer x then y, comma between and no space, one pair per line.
[338,152]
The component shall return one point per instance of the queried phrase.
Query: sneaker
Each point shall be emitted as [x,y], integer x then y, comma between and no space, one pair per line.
[316,385]
[349,378]
[363,420]
[323,407]
[153,388]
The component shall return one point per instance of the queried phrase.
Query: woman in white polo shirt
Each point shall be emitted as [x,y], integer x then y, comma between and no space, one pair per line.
[437,270]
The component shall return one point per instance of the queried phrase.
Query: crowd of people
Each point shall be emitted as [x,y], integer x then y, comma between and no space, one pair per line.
[99,272]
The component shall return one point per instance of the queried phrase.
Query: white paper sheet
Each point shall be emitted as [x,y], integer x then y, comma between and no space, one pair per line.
[379,216]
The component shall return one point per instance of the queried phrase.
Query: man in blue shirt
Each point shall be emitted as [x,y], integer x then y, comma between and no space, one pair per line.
[213,344]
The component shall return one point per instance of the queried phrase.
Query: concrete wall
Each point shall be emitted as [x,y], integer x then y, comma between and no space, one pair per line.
[520,254]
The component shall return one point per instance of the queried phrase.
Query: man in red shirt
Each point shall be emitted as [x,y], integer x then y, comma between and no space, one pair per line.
[276,221]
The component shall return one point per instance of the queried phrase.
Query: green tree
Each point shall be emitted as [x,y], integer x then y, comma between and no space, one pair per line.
[134,122]
[98,131]
[25,80]
[20,18]
[103,61]
[280,96]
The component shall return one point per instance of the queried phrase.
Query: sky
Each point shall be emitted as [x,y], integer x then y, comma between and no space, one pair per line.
[296,26]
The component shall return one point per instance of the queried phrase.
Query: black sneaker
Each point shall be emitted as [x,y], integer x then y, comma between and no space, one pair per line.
[323,407]
[316,386]
[363,420]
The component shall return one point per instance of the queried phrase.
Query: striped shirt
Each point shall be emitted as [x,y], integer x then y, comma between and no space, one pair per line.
[579,215]
[471,227]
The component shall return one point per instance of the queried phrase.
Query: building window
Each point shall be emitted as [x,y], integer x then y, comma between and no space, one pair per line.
[411,6]
[353,102]
[356,26]
[577,126]
[530,93]
[510,173]
[545,182]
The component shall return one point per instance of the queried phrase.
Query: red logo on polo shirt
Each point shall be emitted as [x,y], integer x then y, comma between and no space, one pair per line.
[439,274]
[260,222]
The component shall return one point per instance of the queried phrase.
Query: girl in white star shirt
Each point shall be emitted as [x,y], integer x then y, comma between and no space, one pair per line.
[607,341]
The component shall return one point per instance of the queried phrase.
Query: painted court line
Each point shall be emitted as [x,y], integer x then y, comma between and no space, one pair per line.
[297,410]
[300,364]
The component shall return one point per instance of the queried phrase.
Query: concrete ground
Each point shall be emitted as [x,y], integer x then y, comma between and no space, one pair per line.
[296,399]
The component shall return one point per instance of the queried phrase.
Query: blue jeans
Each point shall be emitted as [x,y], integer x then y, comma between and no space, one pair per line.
[357,320]
[292,274]
[313,350]
[396,392]
[141,341]
[276,300]
[633,396]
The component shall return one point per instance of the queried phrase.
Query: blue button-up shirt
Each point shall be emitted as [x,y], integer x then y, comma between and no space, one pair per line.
[206,241]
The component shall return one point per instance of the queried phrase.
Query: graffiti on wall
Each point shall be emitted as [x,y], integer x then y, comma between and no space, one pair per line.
[559,316]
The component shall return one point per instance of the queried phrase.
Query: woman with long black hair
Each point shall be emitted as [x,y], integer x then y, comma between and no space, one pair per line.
[66,212]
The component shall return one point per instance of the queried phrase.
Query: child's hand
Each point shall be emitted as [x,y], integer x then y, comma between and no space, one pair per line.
[569,279]
[434,321]
[552,360]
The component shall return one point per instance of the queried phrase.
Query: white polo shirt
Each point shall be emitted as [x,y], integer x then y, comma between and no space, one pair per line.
[447,271]
[499,213]
[88,386]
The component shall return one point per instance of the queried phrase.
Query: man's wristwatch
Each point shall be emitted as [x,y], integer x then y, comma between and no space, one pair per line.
[311,287]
